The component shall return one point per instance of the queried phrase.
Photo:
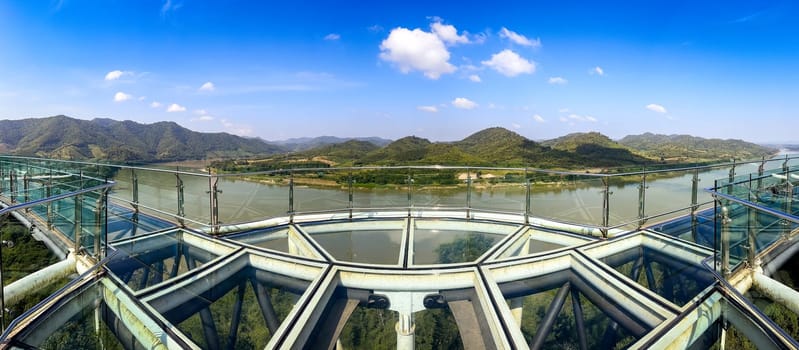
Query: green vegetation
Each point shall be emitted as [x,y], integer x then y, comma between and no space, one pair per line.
[498,147]
[126,141]
[26,256]
[682,148]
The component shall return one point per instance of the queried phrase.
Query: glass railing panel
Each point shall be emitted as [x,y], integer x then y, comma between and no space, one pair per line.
[196,199]
[499,190]
[315,192]
[157,190]
[124,222]
[382,188]
[440,188]
[568,198]
[247,198]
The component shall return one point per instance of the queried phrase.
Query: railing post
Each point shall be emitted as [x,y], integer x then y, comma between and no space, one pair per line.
[725,241]
[181,200]
[213,192]
[752,235]
[605,206]
[527,200]
[100,205]
[350,203]
[731,178]
[2,177]
[78,221]
[26,178]
[694,204]
[12,186]
[409,180]
[48,192]
[135,189]
[468,193]
[785,165]
[291,197]
[642,201]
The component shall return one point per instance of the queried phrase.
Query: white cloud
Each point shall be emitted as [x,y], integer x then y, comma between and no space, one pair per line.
[203,118]
[656,108]
[121,96]
[142,98]
[464,103]
[155,104]
[563,110]
[510,64]
[539,118]
[175,108]
[571,118]
[475,78]
[332,37]
[416,50]
[200,112]
[518,38]
[448,33]
[375,28]
[431,109]
[557,81]
[208,86]
[169,6]
[598,70]
[116,75]
[516,126]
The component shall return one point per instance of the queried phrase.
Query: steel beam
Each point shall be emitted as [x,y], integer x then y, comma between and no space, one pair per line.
[549,318]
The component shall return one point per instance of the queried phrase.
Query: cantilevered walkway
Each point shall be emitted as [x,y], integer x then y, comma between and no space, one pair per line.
[528,258]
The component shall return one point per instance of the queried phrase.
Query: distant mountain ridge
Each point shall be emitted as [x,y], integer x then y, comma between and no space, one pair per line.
[678,147]
[125,141]
[305,143]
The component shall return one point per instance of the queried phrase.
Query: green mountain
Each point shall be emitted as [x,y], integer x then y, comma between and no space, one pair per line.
[123,141]
[405,150]
[692,148]
[489,147]
[598,148]
[342,152]
[306,143]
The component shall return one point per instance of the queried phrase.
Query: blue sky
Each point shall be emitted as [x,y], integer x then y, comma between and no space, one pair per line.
[439,70]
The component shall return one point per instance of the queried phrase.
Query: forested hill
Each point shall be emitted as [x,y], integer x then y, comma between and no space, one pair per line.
[501,147]
[686,147]
[124,141]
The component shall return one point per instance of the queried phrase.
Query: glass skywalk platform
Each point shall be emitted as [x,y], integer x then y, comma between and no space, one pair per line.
[537,259]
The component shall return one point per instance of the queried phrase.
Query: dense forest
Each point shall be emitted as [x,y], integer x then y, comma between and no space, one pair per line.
[495,147]
[109,140]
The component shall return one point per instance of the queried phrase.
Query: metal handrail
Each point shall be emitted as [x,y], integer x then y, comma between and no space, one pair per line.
[422,167]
